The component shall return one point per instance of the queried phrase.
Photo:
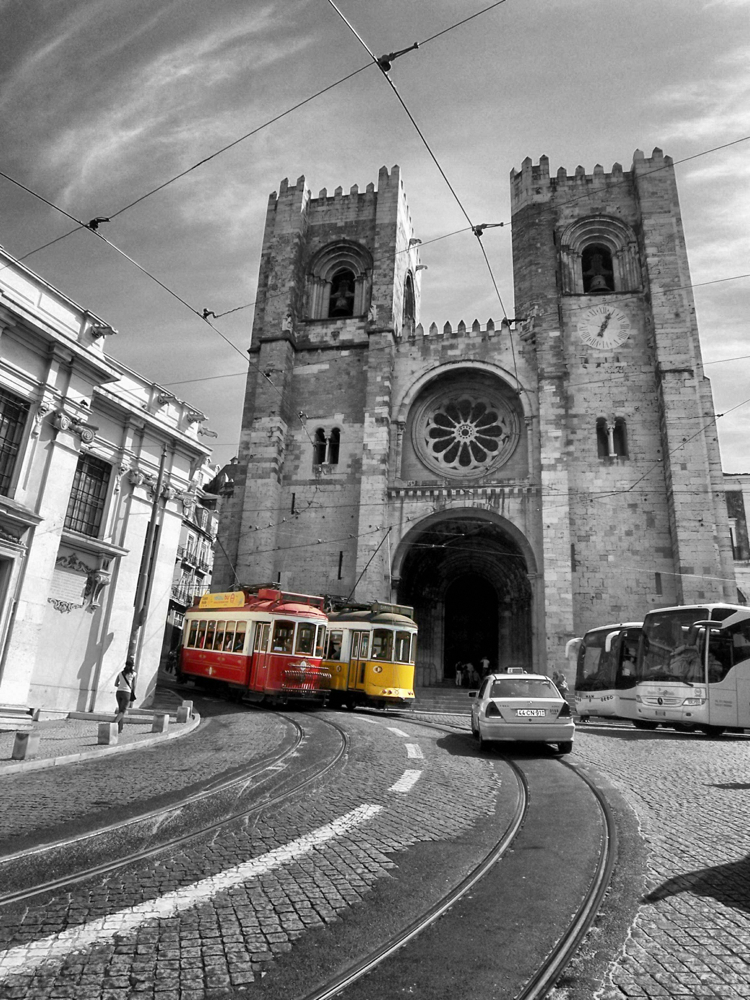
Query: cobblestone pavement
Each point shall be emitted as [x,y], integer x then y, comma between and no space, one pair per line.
[205,921]
[691,796]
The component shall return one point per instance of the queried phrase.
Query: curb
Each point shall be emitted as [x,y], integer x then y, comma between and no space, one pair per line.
[74,758]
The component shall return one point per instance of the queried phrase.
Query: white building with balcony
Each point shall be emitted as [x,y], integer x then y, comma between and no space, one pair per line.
[98,467]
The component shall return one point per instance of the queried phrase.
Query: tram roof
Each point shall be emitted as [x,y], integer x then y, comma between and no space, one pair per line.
[370,617]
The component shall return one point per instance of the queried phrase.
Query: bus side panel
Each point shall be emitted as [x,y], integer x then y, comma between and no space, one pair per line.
[723,698]
[742,673]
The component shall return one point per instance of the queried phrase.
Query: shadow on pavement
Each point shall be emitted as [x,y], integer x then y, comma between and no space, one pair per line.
[729,884]
[465,745]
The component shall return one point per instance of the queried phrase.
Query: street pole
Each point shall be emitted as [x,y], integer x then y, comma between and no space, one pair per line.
[144,579]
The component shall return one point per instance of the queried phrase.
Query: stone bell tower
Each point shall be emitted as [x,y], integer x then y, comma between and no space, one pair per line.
[338,286]
[631,487]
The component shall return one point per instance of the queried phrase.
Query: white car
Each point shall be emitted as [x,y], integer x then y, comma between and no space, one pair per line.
[521,707]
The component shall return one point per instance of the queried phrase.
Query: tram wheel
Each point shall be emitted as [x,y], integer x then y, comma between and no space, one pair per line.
[642,724]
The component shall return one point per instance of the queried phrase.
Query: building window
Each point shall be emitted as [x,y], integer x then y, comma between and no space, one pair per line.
[13,413]
[596,270]
[409,314]
[611,438]
[88,496]
[339,278]
[319,447]
[333,446]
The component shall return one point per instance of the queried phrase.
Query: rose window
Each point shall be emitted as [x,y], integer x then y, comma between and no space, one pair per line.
[467,433]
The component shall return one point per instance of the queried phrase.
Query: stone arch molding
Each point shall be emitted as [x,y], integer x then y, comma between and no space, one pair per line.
[456,514]
[449,368]
[343,254]
[613,234]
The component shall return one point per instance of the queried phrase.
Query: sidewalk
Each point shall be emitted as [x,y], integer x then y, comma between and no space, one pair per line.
[66,741]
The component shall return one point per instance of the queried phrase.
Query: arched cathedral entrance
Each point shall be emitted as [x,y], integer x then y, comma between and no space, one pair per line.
[466,574]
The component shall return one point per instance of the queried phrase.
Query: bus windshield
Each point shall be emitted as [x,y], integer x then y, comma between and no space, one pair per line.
[669,651]
[599,668]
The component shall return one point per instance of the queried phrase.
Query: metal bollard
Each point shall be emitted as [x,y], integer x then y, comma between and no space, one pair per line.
[160,724]
[25,745]
[107,733]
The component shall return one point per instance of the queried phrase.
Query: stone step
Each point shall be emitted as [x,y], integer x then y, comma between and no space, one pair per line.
[15,718]
[453,700]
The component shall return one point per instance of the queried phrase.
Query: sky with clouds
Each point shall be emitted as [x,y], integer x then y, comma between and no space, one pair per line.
[103,100]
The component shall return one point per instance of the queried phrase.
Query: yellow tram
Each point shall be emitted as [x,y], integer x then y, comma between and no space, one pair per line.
[370,654]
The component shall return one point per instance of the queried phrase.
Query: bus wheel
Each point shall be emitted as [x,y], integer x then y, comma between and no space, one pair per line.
[642,724]
[713,730]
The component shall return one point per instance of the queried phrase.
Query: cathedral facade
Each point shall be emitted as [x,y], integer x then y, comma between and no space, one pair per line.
[516,482]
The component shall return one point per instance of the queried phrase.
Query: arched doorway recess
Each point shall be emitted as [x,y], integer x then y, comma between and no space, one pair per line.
[467,577]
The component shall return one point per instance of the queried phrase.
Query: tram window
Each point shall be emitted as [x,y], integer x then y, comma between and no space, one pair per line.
[403,642]
[210,633]
[413,656]
[219,637]
[193,633]
[239,637]
[266,635]
[355,646]
[305,639]
[283,637]
[261,633]
[201,639]
[320,640]
[229,637]
[334,645]
[364,643]
[382,644]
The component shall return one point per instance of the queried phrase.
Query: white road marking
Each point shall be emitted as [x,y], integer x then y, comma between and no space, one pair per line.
[56,947]
[398,732]
[406,782]
[414,750]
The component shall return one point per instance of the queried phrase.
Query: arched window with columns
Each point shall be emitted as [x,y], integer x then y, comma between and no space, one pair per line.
[339,281]
[599,255]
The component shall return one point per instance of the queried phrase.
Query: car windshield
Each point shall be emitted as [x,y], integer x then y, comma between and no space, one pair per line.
[523,687]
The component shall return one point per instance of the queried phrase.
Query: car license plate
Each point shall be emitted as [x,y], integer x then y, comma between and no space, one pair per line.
[530,711]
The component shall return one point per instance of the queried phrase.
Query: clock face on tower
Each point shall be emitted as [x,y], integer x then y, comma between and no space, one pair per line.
[604,327]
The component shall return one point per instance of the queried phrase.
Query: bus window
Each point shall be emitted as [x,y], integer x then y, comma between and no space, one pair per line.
[219,637]
[283,637]
[201,635]
[403,644]
[355,646]
[382,644]
[193,633]
[305,639]
[364,642]
[229,637]
[726,649]
[239,637]
[210,633]
[334,645]
[596,666]
[664,634]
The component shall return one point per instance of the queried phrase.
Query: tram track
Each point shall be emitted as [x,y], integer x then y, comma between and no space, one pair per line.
[218,797]
[557,958]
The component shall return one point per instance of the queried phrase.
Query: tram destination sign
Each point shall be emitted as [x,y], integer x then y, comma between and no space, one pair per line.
[230,599]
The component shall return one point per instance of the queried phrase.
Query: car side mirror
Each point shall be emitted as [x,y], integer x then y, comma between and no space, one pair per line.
[473,694]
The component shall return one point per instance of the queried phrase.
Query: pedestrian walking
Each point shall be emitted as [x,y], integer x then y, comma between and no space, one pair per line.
[485,665]
[125,692]
[459,675]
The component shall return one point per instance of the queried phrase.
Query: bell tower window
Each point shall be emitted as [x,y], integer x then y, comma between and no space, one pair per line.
[409,314]
[597,271]
[339,281]
[611,438]
[341,302]
[333,446]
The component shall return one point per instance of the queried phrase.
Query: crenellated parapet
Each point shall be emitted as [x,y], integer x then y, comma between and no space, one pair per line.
[534,183]
[433,331]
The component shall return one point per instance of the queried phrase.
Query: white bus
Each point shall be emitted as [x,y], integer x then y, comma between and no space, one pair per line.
[687,682]
[605,671]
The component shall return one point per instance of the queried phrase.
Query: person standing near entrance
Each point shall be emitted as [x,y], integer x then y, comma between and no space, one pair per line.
[484,665]
[459,675]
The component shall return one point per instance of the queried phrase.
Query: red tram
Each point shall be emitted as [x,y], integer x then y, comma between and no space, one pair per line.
[261,643]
